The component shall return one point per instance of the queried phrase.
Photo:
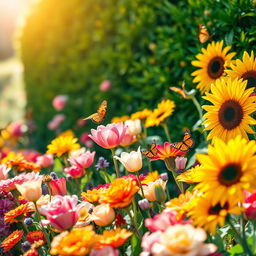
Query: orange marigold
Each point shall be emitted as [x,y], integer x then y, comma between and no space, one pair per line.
[35,236]
[77,242]
[17,214]
[93,195]
[120,193]
[114,238]
[16,161]
[12,240]
[26,165]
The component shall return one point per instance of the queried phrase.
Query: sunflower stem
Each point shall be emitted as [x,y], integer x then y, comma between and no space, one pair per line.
[241,240]
[115,162]
[166,132]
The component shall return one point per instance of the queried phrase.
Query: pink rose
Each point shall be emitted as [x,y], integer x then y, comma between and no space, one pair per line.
[109,136]
[58,186]
[59,102]
[162,221]
[83,160]
[148,240]
[45,160]
[4,171]
[105,251]
[74,171]
[250,205]
[105,85]
[62,212]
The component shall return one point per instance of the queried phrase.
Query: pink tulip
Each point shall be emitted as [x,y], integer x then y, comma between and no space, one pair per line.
[45,160]
[62,212]
[105,85]
[250,205]
[74,171]
[4,171]
[108,136]
[59,102]
[128,139]
[58,186]
[105,251]
[83,160]
[162,221]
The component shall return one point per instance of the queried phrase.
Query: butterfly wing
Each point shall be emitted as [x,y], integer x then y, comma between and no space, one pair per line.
[203,35]
[101,113]
[151,152]
[185,144]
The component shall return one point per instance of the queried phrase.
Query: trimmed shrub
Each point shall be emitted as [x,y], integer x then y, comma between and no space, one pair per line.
[143,47]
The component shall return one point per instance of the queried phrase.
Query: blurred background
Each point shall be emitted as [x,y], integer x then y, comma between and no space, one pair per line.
[137,48]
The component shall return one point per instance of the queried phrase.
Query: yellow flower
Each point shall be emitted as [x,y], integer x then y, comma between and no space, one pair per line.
[77,242]
[93,195]
[141,114]
[120,193]
[164,109]
[189,176]
[66,133]
[181,203]
[227,170]
[152,176]
[62,145]
[118,119]
[245,69]
[229,115]
[211,63]
[114,238]
[208,214]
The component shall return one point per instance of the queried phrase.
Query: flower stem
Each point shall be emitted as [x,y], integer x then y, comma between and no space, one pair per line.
[166,132]
[133,223]
[241,240]
[107,179]
[141,188]
[179,184]
[115,163]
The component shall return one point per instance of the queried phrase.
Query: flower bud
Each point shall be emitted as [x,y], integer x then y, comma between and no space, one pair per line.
[164,176]
[28,221]
[144,204]
[170,163]
[180,164]
[54,175]
[103,215]
[26,246]
[160,194]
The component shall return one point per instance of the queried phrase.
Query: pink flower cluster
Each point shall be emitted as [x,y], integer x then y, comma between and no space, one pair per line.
[79,163]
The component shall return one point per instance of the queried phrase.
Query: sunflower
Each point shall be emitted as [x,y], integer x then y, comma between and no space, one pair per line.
[62,145]
[189,176]
[229,115]
[164,109]
[211,63]
[12,240]
[227,170]
[245,69]
[17,214]
[78,241]
[141,114]
[208,214]
[114,238]
[151,176]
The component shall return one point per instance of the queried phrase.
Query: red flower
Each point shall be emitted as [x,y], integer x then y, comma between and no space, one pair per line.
[12,240]
[120,220]
[35,236]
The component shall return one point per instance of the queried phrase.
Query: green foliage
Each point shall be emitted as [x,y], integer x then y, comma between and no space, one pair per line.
[143,47]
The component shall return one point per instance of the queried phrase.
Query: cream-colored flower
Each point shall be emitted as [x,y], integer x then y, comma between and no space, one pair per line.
[30,190]
[103,215]
[134,126]
[150,189]
[131,161]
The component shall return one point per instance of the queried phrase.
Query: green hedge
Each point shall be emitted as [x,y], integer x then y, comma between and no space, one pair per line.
[143,47]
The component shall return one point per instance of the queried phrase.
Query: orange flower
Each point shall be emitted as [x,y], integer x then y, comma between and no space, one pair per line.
[26,165]
[31,252]
[20,212]
[141,114]
[114,238]
[77,242]
[120,193]
[35,236]
[12,240]
[93,195]
[16,161]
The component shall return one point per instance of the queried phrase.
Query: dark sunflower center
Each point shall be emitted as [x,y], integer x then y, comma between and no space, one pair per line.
[216,67]
[214,210]
[230,114]
[230,174]
[250,76]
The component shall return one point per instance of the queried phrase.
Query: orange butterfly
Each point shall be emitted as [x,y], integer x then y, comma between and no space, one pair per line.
[151,152]
[203,35]
[101,113]
[185,144]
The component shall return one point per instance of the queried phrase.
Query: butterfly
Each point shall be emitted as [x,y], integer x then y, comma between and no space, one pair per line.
[101,113]
[185,144]
[151,152]
[203,35]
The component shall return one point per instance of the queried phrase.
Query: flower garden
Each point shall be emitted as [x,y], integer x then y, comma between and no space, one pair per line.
[125,183]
